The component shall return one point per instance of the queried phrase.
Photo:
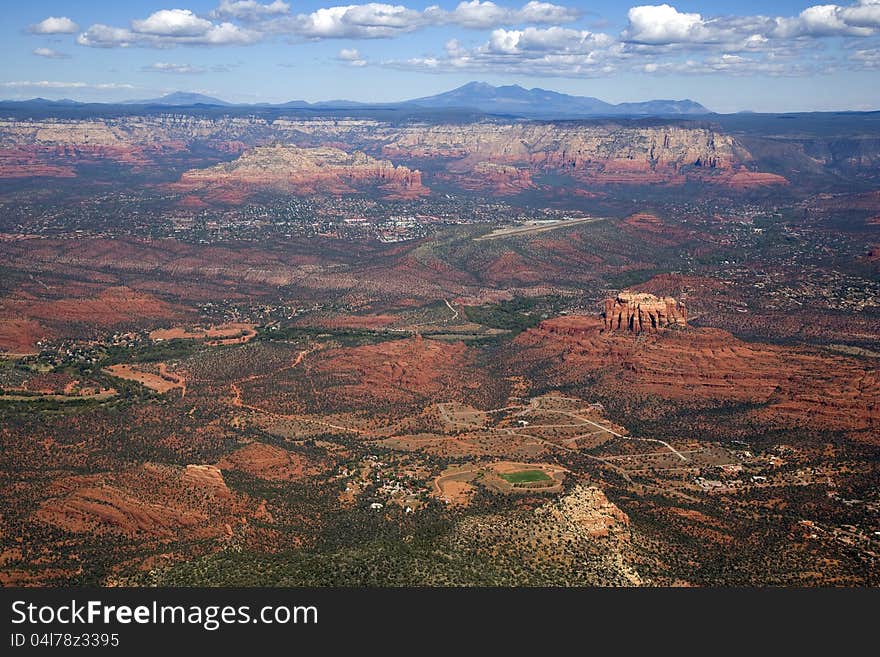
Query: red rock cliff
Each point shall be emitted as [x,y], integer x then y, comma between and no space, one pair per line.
[637,312]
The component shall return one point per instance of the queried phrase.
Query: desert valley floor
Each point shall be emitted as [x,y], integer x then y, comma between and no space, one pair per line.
[298,350]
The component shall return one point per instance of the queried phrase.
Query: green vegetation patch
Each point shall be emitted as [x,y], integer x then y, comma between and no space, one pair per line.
[152,353]
[31,405]
[516,315]
[524,476]
[628,278]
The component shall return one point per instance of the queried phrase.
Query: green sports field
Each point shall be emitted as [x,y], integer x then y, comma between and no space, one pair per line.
[524,476]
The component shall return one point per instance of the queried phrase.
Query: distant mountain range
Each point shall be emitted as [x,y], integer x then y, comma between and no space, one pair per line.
[179,99]
[511,100]
[540,103]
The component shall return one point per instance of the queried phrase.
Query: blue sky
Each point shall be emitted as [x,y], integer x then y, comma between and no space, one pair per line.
[764,56]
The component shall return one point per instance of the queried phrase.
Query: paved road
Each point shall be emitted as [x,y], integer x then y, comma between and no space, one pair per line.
[614,433]
[454,311]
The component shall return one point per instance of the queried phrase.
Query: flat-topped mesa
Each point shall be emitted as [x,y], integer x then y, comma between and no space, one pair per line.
[637,312]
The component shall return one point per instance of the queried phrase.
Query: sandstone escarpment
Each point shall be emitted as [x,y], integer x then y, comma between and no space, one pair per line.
[319,170]
[599,154]
[503,158]
[129,130]
[637,312]
[55,147]
[571,146]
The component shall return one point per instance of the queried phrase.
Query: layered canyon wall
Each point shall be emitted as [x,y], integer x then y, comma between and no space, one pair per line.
[501,157]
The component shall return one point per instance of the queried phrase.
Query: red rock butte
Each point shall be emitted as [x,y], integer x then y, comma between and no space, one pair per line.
[638,311]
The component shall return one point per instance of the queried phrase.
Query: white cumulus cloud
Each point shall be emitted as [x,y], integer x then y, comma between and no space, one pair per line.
[664,24]
[168,27]
[106,36]
[553,51]
[172,22]
[552,39]
[55,25]
[865,13]
[820,21]
[372,20]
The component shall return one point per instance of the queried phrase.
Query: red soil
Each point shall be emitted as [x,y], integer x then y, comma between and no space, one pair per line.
[268,462]
[161,382]
[112,306]
[19,336]
[649,226]
[355,321]
[395,373]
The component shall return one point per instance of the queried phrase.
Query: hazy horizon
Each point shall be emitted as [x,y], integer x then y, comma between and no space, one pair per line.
[172,92]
